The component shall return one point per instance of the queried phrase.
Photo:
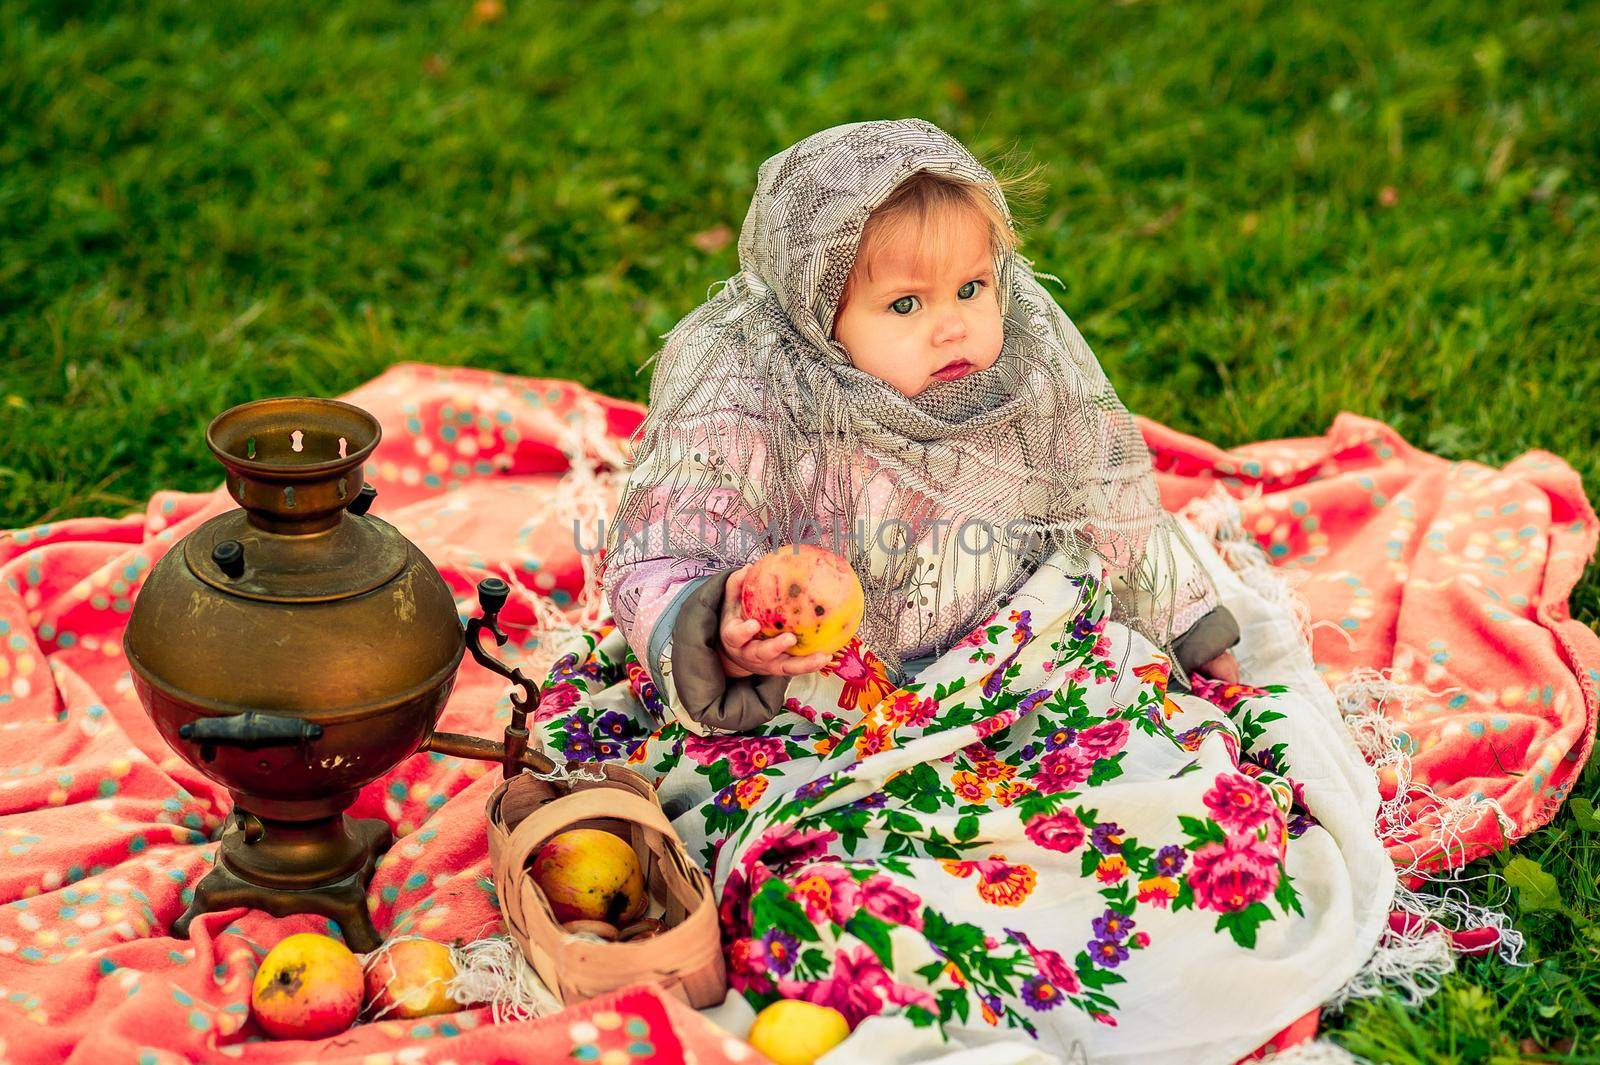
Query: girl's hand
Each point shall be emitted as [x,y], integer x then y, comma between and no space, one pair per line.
[1224,667]
[743,654]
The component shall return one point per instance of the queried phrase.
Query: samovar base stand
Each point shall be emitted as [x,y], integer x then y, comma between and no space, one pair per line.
[342,900]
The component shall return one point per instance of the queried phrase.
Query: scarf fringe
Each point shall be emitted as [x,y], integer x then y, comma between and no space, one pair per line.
[1412,956]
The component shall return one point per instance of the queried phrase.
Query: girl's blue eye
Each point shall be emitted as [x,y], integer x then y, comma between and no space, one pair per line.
[906,301]
[973,286]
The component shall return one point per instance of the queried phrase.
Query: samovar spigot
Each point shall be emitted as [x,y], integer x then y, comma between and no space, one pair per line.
[513,753]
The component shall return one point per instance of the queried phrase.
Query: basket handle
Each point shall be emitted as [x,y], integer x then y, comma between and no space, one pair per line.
[588,804]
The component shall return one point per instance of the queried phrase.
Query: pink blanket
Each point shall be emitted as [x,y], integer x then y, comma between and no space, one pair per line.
[1453,575]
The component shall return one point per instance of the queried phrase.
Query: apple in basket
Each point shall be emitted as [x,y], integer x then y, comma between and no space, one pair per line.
[591,875]
[807,590]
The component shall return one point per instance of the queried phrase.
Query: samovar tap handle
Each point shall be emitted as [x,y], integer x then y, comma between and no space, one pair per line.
[492,595]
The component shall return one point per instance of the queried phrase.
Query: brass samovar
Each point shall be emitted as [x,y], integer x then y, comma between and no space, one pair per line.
[298,648]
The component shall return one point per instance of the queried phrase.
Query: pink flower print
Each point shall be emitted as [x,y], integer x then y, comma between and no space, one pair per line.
[1053,967]
[1231,741]
[976,638]
[1057,832]
[782,845]
[1229,876]
[998,723]
[1104,740]
[977,751]
[859,987]
[556,700]
[1102,647]
[884,899]
[795,706]
[909,709]
[863,676]
[747,957]
[1221,693]
[1063,769]
[1239,804]
[733,908]
[826,891]
[707,751]
[1050,964]
[756,753]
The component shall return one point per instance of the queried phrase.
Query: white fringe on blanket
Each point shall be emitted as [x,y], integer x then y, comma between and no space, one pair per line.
[1411,964]
[493,972]
[1316,1052]
[582,501]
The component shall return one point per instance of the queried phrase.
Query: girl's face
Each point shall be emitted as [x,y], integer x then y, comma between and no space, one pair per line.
[916,325]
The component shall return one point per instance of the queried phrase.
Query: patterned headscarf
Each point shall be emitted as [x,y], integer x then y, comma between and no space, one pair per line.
[758,418]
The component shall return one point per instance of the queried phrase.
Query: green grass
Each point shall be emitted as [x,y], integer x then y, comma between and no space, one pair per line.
[205,203]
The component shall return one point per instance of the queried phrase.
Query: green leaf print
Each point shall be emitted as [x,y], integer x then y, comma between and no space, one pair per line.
[900,821]
[1201,831]
[1091,975]
[1288,898]
[1104,770]
[851,824]
[773,906]
[1242,925]
[955,940]
[895,865]
[875,934]
[1138,857]
[954,1002]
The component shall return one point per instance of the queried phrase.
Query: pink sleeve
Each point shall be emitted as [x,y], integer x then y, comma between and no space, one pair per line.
[651,557]
[643,589]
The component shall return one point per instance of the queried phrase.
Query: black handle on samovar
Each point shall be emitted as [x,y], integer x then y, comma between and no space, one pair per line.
[249,729]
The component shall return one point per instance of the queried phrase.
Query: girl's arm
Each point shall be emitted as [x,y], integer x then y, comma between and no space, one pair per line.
[669,605]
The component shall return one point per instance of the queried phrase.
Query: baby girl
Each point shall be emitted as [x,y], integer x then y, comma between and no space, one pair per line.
[883,354]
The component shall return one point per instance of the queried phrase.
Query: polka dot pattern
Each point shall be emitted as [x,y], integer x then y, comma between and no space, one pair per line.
[1406,561]
[1451,578]
[106,829]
